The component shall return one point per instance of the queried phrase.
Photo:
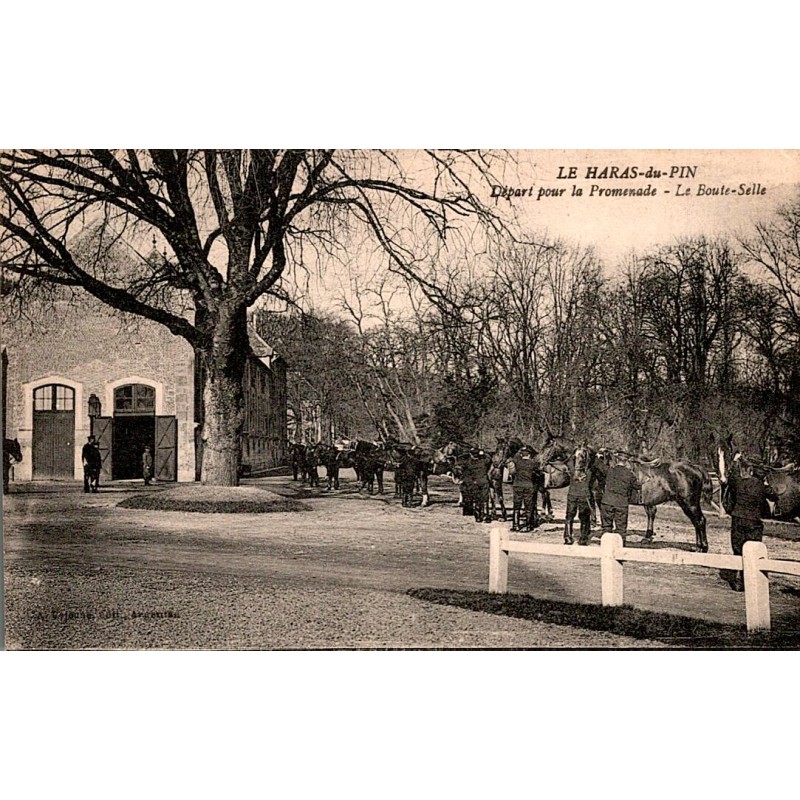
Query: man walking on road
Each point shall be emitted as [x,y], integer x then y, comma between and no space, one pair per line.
[92,463]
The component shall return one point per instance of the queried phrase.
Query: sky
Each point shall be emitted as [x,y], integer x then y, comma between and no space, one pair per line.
[569,194]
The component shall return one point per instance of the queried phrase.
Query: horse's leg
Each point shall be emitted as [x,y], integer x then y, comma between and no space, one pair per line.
[547,504]
[698,519]
[379,476]
[499,496]
[423,485]
[592,507]
[651,518]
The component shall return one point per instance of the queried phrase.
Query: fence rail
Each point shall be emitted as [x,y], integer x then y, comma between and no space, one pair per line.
[611,554]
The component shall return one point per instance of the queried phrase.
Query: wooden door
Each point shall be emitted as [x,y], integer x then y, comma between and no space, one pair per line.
[53,452]
[53,445]
[166,460]
[104,432]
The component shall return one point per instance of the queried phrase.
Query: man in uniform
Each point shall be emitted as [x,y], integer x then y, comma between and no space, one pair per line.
[312,464]
[478,466]
[526,479]
[330,458]
[470,490]
[578,502]
[147,465]
[405,477]
[745,498]
[92,463]
[620,484]
[298,461]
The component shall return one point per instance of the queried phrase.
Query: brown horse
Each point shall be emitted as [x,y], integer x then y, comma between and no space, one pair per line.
[687,484]
[783,483]
[783,489]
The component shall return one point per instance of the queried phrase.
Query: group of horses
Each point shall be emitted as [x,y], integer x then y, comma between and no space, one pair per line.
[369,460]
[661,480]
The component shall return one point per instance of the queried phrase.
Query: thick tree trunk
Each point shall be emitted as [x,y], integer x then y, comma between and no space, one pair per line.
[223,397]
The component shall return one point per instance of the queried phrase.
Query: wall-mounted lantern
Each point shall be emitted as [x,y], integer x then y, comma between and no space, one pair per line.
[95,410]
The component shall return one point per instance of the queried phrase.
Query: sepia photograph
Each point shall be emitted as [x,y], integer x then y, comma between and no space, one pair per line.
[386,469]
[401,399]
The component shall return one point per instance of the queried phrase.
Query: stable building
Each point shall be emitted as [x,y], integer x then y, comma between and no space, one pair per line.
[77,369]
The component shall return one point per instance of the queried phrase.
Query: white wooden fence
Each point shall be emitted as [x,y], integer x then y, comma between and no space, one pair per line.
[755,564]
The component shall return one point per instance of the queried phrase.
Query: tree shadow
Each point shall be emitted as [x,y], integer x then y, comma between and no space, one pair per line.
[673,630]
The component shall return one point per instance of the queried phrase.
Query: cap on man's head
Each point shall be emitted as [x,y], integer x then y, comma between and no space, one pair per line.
[92,439]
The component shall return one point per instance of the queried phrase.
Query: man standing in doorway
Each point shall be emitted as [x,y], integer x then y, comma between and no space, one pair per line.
[147,466]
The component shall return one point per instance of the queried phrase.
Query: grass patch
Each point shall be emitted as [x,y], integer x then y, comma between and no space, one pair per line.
[670,629]
[213,500]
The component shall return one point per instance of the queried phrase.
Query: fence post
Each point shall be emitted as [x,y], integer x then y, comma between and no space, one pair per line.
[611,585]
[498,559]
[756,587]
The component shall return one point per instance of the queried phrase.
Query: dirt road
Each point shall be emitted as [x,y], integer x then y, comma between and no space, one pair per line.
[82,573]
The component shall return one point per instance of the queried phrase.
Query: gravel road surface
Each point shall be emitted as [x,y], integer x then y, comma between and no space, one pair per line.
[82,573]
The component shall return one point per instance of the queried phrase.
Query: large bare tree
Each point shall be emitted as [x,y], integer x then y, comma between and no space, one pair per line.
[230,224]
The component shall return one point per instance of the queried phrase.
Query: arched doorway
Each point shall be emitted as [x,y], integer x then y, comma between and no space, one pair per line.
[134,428]
[53,432]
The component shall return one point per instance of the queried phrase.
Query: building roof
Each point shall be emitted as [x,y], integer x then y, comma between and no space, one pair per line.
[260,349]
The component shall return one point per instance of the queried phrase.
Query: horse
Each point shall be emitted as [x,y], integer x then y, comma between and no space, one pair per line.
[412,464]
[558,458]
[448,460]
[661,481]
[783,489]
[12,454]
[369,460]
[298,456]
[506,449]
[783,484]
[328,456]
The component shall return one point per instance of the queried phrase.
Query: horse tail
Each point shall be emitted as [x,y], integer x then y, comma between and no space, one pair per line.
[708,489]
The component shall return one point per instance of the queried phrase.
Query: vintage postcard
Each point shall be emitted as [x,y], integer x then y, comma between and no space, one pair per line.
[400,399]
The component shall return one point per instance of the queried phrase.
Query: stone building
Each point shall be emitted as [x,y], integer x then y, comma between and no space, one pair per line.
[82,369]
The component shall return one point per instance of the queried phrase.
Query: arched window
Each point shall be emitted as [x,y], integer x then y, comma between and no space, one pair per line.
[54,397]
[134,398]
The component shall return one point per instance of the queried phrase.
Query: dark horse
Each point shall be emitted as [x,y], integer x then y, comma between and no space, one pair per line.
[558,460]
[415,459]
[506,449]
[12,454]
[783,483]
[297,454]
[687,484]
[369,460]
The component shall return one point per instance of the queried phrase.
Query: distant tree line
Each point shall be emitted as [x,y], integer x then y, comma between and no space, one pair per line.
[682,347]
